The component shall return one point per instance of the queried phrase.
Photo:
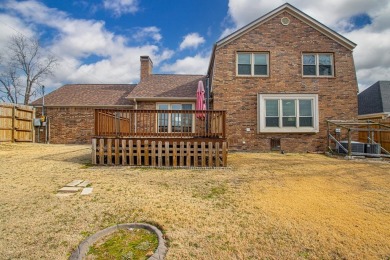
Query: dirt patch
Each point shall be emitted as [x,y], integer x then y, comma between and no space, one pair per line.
[267,206]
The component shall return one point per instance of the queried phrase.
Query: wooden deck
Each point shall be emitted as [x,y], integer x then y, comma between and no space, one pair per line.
[160,138]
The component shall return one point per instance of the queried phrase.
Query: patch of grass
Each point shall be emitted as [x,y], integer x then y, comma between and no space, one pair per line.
[125,244]
[86,166]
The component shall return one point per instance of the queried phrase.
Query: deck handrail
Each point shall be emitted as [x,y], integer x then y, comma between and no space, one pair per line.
[160,123]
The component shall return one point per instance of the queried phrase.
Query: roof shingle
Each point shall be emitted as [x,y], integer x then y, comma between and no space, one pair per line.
[167,86]
[88,95]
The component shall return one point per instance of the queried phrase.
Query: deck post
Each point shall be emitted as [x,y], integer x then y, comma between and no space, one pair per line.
[101,151]
[188,164]
[159,159]
[195,154]
[124,152]
[210,154]
[146,153]
[174,154]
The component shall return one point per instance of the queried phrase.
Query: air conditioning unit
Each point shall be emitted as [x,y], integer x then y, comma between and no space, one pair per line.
[357,147]
[373,148]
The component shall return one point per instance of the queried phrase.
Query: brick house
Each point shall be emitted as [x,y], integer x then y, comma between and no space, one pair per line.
[279,79]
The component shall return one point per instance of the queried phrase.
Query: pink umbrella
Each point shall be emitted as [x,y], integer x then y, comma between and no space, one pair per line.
[200,100]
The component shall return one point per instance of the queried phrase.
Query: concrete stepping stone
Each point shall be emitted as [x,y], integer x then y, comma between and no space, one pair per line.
[86,191]
[74,183]
[84,184]
[69,189]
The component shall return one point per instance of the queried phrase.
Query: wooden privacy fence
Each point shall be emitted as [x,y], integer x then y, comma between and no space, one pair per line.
[160,123]
[373,132]
[16,123]
[159,153]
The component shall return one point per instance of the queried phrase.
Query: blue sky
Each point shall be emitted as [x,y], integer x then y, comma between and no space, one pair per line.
[101,41]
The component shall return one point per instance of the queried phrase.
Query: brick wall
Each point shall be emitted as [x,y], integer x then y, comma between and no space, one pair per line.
[69,125]
[337,96]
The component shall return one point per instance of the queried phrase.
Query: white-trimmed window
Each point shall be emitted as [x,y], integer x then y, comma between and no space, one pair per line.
[317,65]
[252,64]
[175,122]
[288,113]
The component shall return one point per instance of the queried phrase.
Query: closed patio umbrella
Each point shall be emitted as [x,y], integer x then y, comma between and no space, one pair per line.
[200,100]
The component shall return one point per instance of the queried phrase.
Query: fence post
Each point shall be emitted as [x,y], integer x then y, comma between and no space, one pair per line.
[13,124]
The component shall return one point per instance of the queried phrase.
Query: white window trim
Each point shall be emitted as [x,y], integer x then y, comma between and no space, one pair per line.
[261,114]
[252,64]
[318,65]
[170,118]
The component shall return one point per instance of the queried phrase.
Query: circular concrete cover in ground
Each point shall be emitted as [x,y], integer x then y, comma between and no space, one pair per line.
[83,248]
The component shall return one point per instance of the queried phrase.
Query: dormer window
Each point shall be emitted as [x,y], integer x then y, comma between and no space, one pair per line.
[252,64]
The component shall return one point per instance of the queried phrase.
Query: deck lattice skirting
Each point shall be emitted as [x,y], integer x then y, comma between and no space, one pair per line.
[159,153]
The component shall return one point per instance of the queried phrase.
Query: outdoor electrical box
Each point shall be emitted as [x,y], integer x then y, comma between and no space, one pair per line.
[37,122]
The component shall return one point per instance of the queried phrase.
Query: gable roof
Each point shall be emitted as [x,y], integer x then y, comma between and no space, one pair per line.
[80,95]
[157,87]
[294,12]
[375,99]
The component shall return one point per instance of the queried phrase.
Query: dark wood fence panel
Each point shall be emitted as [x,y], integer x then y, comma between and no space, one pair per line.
[159,153]
[16,123]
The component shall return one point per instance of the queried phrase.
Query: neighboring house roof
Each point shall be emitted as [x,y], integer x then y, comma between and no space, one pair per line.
[88,95]
[293,11]
[375,99]
[166,87]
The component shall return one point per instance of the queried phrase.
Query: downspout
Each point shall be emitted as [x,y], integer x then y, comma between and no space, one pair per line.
[135,115]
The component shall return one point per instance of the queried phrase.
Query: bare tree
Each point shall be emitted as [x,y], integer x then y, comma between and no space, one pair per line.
[26,61]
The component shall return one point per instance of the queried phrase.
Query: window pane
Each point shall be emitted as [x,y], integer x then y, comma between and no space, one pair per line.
[176,106]
[289,121]
[260,59]
[309,70]
[163,106]
[306,121]
[272,108]
[325,59]
[288,107]
[244,69]
[186,106]
[163,122]
[309,59]
[272,121]
[261,70]
[305,107]
[325,70]
[244,58]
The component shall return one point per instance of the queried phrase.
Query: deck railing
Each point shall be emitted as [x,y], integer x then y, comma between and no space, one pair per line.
[160,123]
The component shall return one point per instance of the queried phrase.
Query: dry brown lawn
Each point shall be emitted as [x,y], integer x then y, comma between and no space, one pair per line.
[267,206]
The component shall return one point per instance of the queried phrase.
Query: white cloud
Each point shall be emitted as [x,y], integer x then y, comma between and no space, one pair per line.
[120,7]
[147,32]
[192,40]
[77,40]
[372,56]
[189,65]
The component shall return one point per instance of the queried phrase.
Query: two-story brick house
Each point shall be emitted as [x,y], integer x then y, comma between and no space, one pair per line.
[279,79]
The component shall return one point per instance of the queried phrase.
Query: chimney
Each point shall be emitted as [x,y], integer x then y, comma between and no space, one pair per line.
[146,67]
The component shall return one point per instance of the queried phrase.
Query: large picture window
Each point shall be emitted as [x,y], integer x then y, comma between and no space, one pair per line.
[288,113]
[252,64]
[175,122]
[317,65]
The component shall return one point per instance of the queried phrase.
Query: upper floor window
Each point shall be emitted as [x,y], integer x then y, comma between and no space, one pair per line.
[317,64]
[252,64]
